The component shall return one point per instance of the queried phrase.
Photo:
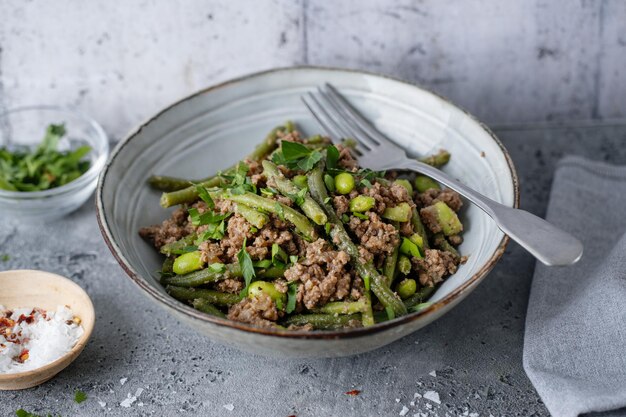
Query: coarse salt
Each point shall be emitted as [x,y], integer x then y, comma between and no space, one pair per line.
[404,410]
[123,381]
[31,337]
[229,407]
[432,396]
[433,374]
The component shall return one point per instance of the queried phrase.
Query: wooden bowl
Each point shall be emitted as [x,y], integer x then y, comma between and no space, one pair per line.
[28,288]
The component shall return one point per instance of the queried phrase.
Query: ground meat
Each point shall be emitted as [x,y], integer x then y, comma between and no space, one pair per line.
[346,160]
[342,204]
[230,285]
[171,230]
[435,266]
[374,235]
[455,240]
[429,219]
[448,196]
[259,310]
[211,252]
[386,196]
[322,273]
[238,229]
[358,288]
[406,229]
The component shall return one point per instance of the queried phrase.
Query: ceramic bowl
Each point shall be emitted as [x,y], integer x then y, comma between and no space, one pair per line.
[27,288]
[215,127]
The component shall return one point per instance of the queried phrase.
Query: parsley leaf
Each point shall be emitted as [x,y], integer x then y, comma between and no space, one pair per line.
[208,217]
[307,163]
[293,259]
[298,197]
[293,150]
[291,297]
[245,263]
[79,396]
[332,156]
[279,256]
[205,196]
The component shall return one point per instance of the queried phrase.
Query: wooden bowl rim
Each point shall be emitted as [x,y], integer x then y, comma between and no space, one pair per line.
[61,362]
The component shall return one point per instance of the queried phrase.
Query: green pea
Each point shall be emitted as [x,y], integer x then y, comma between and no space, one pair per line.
[344,183]
[268,288]
[330,183]
[300,180]
[362,203]
[424,183]
[404,264]
[406,288]
[406,184]
[188,262]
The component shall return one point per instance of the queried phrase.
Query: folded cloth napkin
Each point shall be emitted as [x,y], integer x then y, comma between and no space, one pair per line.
[575,342]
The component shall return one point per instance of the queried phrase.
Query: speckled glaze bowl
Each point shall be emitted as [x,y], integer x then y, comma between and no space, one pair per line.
[215,127]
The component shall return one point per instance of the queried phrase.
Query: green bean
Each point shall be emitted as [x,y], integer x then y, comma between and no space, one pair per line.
[203,305]
[418,227]
[406,184]
[440,242]
[437,160]
[400,213]
[406,288]
[419,297]
[410,249]
[207,275]
[252,216]
[190,194]
[287,188]
[362,203]
[424,183]
[213,297]
[166,269]
[344,183]
[343,307]
[404,265]
[322,321]
[367,316]
[389,267]
[344,242]
[177,248]
[188,262]
[165,183]
[299,220]
[445,217]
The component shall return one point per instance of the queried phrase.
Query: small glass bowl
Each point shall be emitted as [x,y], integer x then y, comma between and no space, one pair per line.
[25,127]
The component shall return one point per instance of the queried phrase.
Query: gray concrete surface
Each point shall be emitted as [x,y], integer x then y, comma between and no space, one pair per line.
[507,61]
[475,350]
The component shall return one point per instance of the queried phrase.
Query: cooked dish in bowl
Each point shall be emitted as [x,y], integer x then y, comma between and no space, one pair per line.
[298,236]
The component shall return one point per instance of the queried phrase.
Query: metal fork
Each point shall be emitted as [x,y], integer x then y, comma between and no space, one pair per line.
[546,242]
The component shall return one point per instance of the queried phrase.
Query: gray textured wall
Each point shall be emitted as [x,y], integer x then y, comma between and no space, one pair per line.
[506,61]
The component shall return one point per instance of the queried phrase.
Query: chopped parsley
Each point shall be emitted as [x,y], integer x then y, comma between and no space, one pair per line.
[205,196]
[296,156]
[291,297]
[79,396]
[44,167]
[246,265]
[279,256]
[5,257]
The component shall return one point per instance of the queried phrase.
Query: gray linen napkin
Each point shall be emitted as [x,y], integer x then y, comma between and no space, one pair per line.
[575,342]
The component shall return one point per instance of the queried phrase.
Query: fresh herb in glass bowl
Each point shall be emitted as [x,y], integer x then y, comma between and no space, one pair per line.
[44,167]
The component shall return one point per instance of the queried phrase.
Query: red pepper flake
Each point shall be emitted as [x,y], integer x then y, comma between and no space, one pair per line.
[24,355]
[28,319]
[354,392]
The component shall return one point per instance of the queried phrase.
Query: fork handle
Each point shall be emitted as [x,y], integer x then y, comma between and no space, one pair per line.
[546,242]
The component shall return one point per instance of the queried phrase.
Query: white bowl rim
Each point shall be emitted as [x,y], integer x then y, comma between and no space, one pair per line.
[103,224]
[80,182]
